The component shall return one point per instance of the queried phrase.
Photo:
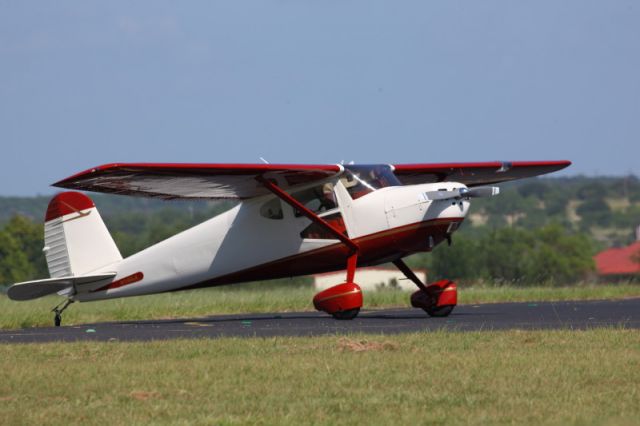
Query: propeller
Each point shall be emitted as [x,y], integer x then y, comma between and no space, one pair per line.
[462,193]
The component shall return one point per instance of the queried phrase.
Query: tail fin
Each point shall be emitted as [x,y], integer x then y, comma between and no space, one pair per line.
[76,239]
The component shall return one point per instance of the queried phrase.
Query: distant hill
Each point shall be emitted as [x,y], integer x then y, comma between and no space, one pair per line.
[607,208]
[109,205]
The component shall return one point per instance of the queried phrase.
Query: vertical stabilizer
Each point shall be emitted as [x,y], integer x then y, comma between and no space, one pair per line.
[76,239]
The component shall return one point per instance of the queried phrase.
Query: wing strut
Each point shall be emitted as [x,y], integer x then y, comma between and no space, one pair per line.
[352,260]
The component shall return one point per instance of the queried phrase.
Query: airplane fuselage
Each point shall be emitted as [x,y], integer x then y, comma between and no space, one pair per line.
[250,242]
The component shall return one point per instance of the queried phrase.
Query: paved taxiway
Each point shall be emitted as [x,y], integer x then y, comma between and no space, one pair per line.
[498,316]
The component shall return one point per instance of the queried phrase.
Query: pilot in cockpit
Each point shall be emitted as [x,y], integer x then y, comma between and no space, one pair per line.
[328,199]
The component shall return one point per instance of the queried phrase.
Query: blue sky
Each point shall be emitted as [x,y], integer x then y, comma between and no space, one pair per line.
[84,83]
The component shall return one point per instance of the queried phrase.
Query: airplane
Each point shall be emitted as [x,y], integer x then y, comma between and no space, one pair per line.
[290,220]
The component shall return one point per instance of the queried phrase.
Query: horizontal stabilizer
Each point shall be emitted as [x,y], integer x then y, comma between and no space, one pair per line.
[34,289]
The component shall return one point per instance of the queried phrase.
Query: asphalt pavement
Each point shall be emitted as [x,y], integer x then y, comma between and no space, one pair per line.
[496,316]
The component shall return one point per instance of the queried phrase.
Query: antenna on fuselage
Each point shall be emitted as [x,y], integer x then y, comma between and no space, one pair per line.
[263,160]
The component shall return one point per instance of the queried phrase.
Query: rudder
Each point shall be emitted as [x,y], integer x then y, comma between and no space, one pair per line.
[76,240]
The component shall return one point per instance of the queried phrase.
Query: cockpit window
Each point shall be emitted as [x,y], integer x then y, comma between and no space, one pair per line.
[272,209]
[360,180]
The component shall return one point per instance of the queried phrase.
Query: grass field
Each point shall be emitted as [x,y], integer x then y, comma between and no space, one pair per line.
[255,299]
[442,378]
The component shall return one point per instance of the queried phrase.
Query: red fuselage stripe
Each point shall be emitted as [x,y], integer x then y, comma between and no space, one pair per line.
[130,279]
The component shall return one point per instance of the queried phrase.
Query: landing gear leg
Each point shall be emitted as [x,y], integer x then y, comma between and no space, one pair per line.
[58,310]
[342,301]
[437,299]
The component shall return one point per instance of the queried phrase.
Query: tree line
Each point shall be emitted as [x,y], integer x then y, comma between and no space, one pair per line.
[549,255]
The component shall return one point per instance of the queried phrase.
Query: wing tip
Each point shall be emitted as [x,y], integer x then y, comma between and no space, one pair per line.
[70,182]
[557,164]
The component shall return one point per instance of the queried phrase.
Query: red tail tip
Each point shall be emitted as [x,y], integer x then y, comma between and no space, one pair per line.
[67,203]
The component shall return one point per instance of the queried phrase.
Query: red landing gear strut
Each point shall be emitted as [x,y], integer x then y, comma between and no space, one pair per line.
[342,301]
[437,299]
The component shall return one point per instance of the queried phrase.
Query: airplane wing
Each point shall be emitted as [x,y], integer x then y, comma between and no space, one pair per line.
[193,181]
[474,174]
[238,181]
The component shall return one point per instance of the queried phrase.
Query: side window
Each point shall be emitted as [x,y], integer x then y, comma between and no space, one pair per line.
[272,209]
[317,199]
[318,232]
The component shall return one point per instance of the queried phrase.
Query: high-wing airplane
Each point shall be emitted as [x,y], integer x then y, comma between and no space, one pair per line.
[291,220]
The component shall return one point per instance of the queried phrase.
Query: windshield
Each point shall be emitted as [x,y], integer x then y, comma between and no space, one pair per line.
[363,179]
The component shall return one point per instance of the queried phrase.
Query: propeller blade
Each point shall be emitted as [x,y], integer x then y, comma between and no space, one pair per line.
[483,191]
[466,193]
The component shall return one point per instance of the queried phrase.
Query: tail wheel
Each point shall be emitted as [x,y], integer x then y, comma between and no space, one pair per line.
[58,310]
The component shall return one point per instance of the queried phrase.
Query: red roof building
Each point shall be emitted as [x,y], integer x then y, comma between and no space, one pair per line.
[619,261]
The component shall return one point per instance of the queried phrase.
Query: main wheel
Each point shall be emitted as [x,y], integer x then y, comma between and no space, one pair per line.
[428,302]
[346,315]
[57,320]
[441,311]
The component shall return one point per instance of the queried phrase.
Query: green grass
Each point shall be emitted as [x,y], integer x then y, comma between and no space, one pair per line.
[238,300]
[442,378]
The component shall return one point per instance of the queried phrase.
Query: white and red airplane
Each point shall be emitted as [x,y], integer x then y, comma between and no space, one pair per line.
[292,220]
